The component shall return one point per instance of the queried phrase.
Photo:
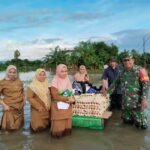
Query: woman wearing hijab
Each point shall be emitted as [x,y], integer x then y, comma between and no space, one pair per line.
[39,98]
[82,80]
[61,110]
[81,75]
[11,88]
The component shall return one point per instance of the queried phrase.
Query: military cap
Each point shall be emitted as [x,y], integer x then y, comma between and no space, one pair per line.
[127,55]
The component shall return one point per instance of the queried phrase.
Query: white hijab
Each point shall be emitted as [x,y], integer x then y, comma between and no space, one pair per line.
[7,71]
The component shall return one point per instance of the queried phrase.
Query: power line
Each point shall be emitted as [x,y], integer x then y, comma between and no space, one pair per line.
[145,39]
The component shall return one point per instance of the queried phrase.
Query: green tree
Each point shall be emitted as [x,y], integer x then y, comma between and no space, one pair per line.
[55,57]
[16,58]
[86,54]
[16,54]
[95,54]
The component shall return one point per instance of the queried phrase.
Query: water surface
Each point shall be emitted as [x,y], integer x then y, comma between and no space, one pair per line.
[115,136]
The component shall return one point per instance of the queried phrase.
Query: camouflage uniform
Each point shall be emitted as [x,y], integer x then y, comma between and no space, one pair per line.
[135,84]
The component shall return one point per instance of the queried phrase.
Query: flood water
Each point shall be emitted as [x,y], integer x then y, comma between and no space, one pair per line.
[115,136]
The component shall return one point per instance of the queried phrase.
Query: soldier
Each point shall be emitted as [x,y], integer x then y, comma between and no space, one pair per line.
[135,84]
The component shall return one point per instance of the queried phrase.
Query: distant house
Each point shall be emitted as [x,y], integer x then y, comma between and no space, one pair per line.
[69,51]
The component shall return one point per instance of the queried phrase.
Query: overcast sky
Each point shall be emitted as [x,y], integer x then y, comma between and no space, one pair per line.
[35,26]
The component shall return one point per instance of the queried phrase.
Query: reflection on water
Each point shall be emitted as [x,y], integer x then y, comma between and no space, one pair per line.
[116,136]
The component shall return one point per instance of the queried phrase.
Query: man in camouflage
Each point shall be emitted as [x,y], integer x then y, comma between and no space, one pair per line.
[135,86]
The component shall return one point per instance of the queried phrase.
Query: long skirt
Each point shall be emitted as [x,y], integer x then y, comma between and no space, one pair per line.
[12,120]
[61,127]
[39,120]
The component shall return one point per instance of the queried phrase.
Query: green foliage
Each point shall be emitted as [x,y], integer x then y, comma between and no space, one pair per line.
[94,54]
[91,54]
[54,57]
[23,65]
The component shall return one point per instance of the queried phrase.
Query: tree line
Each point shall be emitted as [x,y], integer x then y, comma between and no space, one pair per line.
[94,55]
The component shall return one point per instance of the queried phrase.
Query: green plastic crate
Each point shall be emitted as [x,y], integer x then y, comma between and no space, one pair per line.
[88,122]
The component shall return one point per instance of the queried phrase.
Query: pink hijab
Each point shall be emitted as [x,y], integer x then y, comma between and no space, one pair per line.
[58,82]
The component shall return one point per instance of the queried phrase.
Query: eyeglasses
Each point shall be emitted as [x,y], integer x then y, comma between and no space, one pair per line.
[126,60]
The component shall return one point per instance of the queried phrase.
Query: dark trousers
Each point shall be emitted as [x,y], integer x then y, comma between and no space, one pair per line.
[83,85]
[116,101]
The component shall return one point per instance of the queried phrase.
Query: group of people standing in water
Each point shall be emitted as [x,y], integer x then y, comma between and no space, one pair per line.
[51,103]
[43,98]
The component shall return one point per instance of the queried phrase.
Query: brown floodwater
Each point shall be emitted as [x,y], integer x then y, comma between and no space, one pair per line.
[115,136]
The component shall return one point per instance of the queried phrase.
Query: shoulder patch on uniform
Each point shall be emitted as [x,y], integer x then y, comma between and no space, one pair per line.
[143,75]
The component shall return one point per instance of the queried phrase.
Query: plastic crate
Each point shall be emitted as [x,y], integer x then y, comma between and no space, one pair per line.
[88,122]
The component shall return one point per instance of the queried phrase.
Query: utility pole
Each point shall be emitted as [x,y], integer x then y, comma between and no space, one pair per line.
[144,41]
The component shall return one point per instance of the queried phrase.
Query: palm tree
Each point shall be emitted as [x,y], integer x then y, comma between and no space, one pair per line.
[16,54]
[16,58]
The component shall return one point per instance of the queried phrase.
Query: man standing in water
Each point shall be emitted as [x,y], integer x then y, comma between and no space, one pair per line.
[135,84]
[109,75]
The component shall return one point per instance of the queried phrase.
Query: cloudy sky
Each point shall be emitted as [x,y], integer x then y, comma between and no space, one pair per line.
[35,26]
